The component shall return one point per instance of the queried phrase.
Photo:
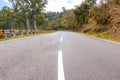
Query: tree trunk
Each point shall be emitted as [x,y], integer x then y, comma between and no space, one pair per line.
[35,25]
[27,22]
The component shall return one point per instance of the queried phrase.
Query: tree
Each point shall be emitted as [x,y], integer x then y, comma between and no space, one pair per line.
[64,10]
[53,20]
[22,7]
[91,3]
[100,14]
[30,10]
[36,7]
[2,20]
[81,13]
[8,19]
[69,20]
[116,2]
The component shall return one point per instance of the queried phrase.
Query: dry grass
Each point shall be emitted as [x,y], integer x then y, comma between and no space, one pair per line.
[105,35]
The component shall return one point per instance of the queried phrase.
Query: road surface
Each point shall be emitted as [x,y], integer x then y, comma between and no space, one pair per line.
[59,56]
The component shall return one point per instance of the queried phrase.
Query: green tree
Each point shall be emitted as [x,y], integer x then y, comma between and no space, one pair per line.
[91,3]
[69,20]
[2,20]
[22,8]
[81,13]
[8,19]
[100,14]
[36,7]
[29,11]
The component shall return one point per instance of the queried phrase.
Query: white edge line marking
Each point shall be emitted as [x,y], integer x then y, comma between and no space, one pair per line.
[60,66]
[61,39]
[110,41]
[103,39]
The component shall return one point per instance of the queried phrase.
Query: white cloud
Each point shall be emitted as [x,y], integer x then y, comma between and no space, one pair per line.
[56,5]
[6,0]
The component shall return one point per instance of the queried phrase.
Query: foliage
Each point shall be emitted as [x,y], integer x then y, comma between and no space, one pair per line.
[7,19]
[100,14]
[29,11]
[87,17]
[81,13]
[53,20]
[115,2]
[91,3]
[69,20]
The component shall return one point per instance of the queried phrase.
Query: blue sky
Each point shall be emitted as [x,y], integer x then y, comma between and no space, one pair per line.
[4,3]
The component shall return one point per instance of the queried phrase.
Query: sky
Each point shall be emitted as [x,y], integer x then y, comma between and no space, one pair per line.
[56,5]
[4,3]
[53,5]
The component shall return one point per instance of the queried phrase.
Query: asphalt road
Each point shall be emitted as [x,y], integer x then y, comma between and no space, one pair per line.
[59,56]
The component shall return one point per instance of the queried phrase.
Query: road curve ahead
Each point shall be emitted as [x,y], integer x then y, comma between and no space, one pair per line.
[59,56]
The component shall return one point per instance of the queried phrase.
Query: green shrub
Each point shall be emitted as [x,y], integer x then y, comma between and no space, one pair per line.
[100,14]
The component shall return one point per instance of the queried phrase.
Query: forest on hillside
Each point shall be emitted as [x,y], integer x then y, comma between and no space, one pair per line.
[88,17]
[101,19]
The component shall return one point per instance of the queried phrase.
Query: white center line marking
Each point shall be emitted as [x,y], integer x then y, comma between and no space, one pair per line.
[60,66]
[61,39]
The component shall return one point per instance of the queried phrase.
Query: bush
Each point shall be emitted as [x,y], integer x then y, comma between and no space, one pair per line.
[55,28]
[100,14]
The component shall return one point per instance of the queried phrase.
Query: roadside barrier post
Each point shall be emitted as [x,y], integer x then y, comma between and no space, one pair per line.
[5,34]
[27,31]
[35,31]
[14,33]
[21,31]
[31,32]
[1,32]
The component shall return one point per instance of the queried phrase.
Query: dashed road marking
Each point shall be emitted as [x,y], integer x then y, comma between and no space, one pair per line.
[60,66]
[61,39]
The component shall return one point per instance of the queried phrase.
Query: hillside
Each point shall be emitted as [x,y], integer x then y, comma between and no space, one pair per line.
[102,20]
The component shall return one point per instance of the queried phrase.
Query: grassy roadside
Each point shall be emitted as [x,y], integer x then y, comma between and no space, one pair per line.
[20,36]
[105,35]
